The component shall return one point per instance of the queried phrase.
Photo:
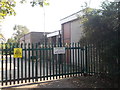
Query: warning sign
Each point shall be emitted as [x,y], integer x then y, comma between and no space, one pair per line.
[17,52]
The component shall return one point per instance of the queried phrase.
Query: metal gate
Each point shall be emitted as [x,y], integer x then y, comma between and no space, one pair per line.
[40,62]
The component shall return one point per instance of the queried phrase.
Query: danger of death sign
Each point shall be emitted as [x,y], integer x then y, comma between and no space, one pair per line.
[17,52]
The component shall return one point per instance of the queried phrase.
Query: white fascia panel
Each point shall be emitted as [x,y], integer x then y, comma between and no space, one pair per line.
[71,17]
[53,34]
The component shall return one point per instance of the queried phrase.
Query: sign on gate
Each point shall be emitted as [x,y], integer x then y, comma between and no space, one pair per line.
[17,52]
[59,50]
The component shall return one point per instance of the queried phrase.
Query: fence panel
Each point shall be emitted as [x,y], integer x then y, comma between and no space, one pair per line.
[39,62]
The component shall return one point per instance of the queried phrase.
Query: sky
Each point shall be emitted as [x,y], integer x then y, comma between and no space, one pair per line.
[33,17]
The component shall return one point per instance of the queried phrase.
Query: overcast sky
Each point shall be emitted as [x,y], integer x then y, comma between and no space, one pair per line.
[32,17]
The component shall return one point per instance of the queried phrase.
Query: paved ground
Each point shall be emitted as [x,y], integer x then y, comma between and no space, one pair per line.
[72,82]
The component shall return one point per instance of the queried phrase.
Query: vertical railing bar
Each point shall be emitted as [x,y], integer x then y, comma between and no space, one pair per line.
[6,63]
[36,63]
[53,59]
[94,58]
[101,58]
[47,50]
[66,56]
[76,58]
[32,62]
[25,63]
[84,61]
[86,57]
[40,62]
[65,60]
[56,64]
[17,68]
[10,62]
[2,64]
[22,64]
[73,58]
[29,61]
[43,62]
[14,66]
[50,52]
[81,60]
[91,59]
[70,60]
[59,60]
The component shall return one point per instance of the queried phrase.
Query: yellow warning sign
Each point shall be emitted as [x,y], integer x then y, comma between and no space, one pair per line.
[17,52]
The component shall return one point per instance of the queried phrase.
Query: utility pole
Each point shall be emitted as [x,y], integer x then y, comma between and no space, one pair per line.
[44,23]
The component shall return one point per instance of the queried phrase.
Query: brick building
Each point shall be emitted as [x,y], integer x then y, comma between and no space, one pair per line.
[33,37]
[71,28]
[54,37]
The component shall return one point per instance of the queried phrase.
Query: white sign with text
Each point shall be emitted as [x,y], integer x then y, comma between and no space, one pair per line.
[59,50]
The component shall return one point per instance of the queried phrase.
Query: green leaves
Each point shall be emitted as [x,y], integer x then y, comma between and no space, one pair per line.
[40,3]
[20,30]
[7,8]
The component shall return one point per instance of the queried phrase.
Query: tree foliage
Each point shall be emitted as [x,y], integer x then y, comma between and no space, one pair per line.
[101,29]
[20,31]
[99,24]
[7,6]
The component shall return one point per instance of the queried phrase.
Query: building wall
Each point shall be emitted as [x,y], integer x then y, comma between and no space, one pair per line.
[37,37]
[76,31]
[66,32]
[26,38]
[72,31]
[33,37]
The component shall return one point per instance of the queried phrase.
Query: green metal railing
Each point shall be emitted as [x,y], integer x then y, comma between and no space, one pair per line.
[39,62]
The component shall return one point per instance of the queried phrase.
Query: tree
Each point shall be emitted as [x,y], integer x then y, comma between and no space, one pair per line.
[98,24]
[101,29]
[11,40]
[7,6]
[20,31]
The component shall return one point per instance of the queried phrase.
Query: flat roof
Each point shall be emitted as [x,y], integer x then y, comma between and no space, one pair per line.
[55,33]
[32,32]
[71,17]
